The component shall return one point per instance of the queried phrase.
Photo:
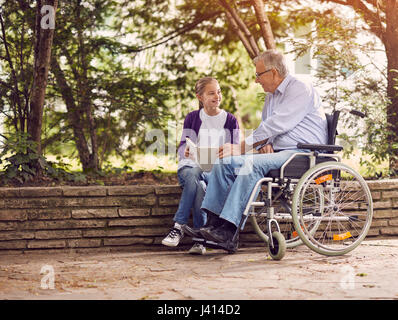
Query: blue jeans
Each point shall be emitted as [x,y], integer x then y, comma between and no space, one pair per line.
[232,180]
[192,195]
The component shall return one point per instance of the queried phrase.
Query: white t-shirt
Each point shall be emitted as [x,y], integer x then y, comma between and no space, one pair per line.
[211,133]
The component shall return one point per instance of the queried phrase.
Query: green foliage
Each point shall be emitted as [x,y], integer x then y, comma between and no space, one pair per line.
[368,95]
[125,99]
[19,158]
[135,63]
[21,162]
[16,64]
[351,80]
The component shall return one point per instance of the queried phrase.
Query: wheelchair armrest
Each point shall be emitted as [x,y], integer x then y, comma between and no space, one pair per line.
[319,147]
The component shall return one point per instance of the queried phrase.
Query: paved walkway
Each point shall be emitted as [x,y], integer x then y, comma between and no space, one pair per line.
[368,272]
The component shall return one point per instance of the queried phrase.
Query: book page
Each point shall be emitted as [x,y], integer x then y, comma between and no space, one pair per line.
[193,149]
[203,156]
[206,157]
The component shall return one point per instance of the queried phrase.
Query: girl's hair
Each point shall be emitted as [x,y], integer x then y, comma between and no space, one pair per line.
[200,87]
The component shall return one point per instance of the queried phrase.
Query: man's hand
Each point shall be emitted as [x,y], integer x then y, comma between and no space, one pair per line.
[229,149]
[266,149]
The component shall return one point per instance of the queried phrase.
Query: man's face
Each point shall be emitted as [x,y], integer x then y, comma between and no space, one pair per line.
[266,77]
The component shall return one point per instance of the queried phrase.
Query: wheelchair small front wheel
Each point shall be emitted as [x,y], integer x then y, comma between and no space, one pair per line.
[277,252]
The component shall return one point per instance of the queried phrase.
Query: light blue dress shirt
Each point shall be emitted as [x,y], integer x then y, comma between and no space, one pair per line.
[292,114]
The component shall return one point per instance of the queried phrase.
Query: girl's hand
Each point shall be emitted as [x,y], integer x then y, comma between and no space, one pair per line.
[186,152]
[229,149]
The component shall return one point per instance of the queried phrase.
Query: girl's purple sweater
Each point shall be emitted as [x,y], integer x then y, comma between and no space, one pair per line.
[192,125]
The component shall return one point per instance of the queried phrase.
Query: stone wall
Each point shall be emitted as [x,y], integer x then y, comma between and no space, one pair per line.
[124,217]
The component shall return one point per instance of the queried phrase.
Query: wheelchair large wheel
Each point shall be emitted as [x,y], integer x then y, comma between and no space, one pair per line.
[283,215]
[347,210]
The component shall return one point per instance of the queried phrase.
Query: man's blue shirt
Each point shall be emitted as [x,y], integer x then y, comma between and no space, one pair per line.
[292,114]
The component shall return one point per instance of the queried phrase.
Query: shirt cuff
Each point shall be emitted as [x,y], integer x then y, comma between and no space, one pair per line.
[250,140]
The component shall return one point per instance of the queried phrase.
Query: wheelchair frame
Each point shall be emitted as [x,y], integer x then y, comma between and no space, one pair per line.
[274,239]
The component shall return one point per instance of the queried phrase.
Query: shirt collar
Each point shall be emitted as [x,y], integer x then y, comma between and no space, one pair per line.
[282,86]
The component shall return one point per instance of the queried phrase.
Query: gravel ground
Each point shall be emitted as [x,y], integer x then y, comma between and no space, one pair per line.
[368,272]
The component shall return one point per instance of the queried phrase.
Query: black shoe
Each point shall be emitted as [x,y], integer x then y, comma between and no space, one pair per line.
[191,232]
[213,220]
[222,234]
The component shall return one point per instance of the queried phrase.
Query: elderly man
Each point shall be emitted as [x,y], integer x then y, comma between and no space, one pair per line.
[292,114]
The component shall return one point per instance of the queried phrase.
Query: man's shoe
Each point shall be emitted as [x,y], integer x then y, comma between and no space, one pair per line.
[197,248]
[174,237]
[221,234]
[191,232]
[213,220]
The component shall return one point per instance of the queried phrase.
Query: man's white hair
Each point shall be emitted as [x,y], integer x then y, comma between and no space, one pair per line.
[273,59]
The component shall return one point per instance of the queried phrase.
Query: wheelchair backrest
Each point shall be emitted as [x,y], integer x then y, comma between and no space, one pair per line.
[332,120]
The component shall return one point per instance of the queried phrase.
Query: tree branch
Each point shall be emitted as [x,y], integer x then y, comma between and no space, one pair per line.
[174,34]
[242,26]
[265,26]
[13,74]
[371,18]
[241,36]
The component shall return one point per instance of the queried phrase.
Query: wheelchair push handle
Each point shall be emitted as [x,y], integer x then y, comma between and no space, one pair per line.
[358,113]
[353,112]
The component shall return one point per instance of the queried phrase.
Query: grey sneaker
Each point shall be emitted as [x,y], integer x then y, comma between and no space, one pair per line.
[197,249]
[174,236]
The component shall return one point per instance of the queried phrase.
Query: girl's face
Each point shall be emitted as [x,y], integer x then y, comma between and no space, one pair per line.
[211,96]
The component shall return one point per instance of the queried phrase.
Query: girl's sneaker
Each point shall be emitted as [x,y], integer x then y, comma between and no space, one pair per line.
[174,236]
[197,248]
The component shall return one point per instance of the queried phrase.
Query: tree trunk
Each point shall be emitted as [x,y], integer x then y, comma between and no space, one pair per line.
[43,44]
[232,15]
[86,100]
[391,46]
[238,111]
[241,35]
[75,115]
[386,29]
[265,26]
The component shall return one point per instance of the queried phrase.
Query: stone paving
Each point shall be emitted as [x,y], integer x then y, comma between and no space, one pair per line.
[368,272]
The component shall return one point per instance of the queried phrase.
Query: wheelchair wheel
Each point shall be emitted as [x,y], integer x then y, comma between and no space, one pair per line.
[347,211]
[277,252]
[284,217]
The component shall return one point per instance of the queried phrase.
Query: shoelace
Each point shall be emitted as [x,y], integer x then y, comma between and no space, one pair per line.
[174,232]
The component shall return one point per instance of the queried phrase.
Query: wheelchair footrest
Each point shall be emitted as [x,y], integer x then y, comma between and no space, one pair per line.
[229,246]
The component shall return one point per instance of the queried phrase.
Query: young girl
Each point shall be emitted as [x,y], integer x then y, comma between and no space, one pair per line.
[207,126]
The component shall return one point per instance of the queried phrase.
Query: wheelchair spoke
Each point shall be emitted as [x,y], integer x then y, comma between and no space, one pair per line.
[344,210]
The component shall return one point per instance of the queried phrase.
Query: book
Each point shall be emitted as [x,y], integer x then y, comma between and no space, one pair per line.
[203,156]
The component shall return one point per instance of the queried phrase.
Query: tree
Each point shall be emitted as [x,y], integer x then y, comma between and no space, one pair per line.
[381,17]
[219,28]
[24,80]
[107,99]
[44,33]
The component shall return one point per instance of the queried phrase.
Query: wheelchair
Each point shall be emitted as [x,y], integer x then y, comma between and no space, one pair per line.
[313,199]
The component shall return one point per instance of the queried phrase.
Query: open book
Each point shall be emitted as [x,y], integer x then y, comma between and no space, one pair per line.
[203,156]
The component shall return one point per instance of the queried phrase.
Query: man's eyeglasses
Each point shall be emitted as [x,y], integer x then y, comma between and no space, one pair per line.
[261,73]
